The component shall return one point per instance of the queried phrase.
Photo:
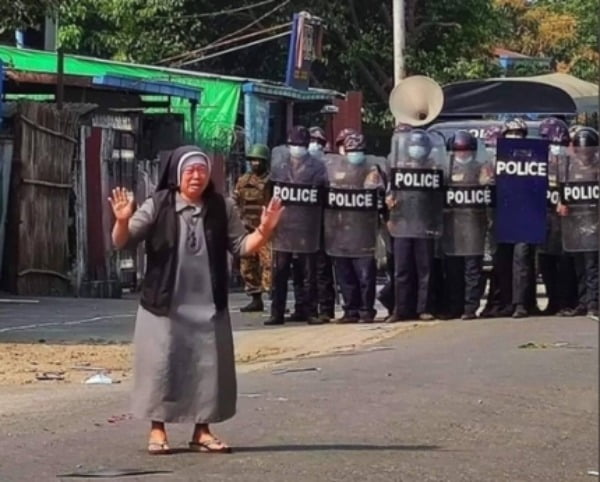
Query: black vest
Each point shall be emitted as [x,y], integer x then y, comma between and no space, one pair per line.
[162,247]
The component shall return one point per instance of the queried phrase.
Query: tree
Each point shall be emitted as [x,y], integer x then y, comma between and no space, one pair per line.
[565,30]
[26,13]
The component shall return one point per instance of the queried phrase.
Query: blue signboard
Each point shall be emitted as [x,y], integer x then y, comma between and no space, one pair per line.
[521,190]
[305,47]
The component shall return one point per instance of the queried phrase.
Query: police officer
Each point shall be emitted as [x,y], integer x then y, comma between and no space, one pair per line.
[250,195]
[416,203]
[465,224]
[318,141]
[499,301]
[514,263]
[556,266]
[386,295]
[325,282]
[280,154]
[351,222]
[297,179]
[579,211]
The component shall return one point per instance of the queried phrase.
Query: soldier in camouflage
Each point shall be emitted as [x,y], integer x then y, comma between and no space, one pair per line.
[250,195]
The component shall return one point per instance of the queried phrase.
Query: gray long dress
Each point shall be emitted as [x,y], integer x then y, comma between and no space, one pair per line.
[184,367]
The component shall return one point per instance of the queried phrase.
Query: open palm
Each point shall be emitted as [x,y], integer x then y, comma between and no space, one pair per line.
[272,214]
[122,205]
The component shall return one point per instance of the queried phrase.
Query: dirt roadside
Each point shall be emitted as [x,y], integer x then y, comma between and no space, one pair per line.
[23,364]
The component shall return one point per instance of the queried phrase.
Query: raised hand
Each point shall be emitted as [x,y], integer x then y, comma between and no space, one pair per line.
[271,214]
[562,210]
[390,201]
[121,204]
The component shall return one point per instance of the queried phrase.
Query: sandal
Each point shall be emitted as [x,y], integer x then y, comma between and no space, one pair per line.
[212,446]
[159,448]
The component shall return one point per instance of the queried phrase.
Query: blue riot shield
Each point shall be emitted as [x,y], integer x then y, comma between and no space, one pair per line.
[521,190]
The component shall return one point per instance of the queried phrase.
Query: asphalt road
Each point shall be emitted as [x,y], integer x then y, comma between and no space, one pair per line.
[89,319]
[459,401]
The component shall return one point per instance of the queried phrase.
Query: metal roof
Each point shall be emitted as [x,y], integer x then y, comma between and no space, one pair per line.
[276,90]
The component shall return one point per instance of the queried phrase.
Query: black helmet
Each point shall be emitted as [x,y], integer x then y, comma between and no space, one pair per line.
[348,131]
[515,125]
[299,136]
[354,143]
[418,138]
[461,141]
[317,134]
[585,137]
[555,130]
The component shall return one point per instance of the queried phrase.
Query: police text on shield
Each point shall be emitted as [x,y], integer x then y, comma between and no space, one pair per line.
[521,169]
[468,197]
[301,195]
[418,179]
[580,193]
[358,200]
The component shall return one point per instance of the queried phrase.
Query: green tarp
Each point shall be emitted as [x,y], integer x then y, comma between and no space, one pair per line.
[219,103]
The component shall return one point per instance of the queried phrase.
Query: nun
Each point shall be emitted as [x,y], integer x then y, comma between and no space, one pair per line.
[184,370]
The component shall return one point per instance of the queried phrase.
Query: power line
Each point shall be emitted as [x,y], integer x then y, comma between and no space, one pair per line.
[258,20]
[212,45]
[239,47]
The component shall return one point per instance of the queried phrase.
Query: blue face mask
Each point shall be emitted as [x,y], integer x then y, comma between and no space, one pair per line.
[315,148]
[355,158]
[417,152]
[298,151]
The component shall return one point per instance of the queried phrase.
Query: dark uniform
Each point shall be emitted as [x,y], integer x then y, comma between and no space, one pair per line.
[351,231]
[465,226]
[326,292]
[415,220]
[295,236]
[580,221]
[556,267]
[513,290]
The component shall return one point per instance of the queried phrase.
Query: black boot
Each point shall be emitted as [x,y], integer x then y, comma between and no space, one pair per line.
[255,305]
[520,312]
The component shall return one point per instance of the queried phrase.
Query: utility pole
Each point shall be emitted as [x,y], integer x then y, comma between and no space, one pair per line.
[399,40]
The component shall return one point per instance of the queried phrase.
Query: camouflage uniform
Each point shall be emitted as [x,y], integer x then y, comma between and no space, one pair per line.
[250,196]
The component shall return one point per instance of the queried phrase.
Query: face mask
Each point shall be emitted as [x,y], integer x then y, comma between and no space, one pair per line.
[556,150]
[356,158]
[417,152]
[315,148]
[463,160]
[513,135]
[298,151]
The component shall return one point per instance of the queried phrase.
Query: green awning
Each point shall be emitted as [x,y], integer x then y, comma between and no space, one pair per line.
[219,104]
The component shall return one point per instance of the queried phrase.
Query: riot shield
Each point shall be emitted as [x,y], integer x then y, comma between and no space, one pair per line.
[521,191]
[416,187]
[299,184]
[556,167]
[580,192]
[351,208]
[469,196]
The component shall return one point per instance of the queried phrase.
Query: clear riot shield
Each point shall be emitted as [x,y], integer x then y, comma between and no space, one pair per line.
[299,184]
[557,162]
[469,196]
[351,208]
[416,188]
[580,192]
